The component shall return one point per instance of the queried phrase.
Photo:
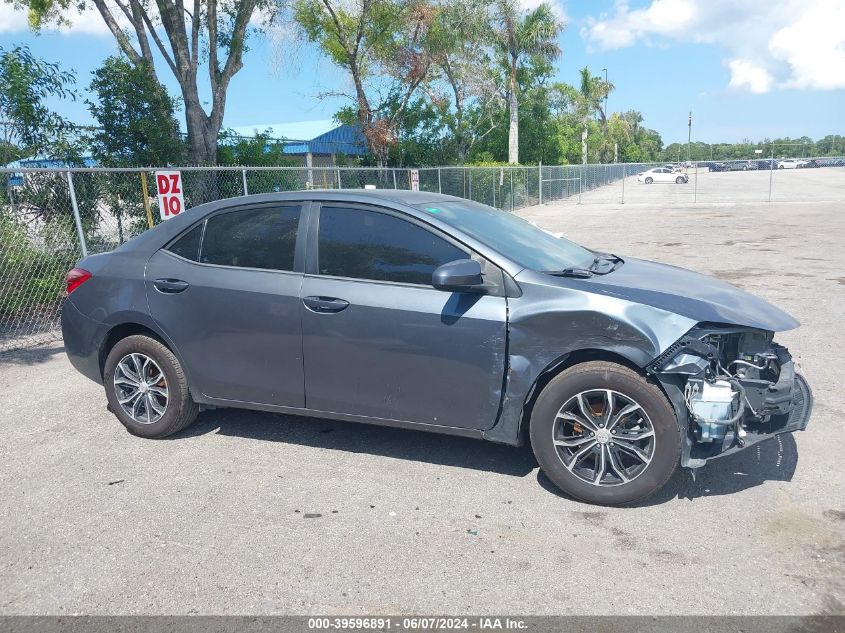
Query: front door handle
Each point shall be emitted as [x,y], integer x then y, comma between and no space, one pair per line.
[170,286]
[325,305]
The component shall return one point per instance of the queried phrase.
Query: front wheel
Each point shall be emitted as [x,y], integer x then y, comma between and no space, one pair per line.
[147,389]
[604,434]
[649,180]
[679,180]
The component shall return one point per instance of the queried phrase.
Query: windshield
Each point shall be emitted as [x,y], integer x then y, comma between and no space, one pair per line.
[515,238]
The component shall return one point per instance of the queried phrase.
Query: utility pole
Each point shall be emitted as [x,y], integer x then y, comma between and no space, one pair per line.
[689,133]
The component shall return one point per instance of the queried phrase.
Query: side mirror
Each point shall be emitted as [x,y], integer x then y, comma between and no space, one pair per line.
[457,276]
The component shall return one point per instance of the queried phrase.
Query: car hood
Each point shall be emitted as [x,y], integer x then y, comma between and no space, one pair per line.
[689,294]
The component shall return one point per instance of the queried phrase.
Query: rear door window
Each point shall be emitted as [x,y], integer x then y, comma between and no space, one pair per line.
[364,244]
[188,246]
[253,238]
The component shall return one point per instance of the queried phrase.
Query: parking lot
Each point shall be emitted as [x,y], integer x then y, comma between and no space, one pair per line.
[786,185]
[250,512]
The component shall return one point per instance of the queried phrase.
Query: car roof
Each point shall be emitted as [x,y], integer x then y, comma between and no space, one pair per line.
[399,199]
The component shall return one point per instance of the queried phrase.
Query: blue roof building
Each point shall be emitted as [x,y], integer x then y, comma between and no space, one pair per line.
[310,139]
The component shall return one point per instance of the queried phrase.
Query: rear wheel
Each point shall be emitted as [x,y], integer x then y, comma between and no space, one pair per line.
[649,180]
[604,434]
[146,388]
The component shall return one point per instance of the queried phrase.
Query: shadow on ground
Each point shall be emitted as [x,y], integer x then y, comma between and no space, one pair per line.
[771,460]
[350,437]
[32,355]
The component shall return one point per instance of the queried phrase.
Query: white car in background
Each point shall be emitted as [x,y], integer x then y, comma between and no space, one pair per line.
[791,163]
[662,174]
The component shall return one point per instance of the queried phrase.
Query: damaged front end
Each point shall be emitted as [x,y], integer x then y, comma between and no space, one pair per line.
[731,387]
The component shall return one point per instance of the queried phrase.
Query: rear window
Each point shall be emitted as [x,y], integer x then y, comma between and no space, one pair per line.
[188,246]
[253,238]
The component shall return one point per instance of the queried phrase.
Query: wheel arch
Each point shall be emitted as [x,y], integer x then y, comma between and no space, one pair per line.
[561,364]
[124,329]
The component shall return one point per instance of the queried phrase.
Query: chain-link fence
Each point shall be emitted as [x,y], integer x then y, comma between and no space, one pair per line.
[50,218]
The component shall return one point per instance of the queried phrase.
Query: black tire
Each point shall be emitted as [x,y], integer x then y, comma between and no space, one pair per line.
[679,180]
[649,180]
[606,375]
[180,410]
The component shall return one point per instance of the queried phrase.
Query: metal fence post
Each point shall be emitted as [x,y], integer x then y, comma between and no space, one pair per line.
[76,217]
[623,184]
[243,176]
[695,189]
[469,179]
[580,181]
[338,178]
[771,171]
[439,185]
[394,178]
[512,200]
[540,182]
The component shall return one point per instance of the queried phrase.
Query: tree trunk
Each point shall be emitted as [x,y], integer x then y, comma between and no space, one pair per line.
[513,107]
[202,150]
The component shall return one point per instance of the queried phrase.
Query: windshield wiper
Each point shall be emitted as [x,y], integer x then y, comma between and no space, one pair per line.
[581,273]
[601,260]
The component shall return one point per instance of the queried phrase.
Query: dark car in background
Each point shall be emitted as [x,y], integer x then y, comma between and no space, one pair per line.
[810,163]
[423,311]
[741,165]
[718,167]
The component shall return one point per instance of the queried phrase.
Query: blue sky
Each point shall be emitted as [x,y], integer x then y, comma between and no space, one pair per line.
[746,70]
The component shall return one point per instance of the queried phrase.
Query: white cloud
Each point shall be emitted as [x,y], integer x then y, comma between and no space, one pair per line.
[12,20]
[557,7]
[745,74]
[767,44]
[87,22]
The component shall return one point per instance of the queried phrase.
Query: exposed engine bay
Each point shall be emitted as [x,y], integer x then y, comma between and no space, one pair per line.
[736,387]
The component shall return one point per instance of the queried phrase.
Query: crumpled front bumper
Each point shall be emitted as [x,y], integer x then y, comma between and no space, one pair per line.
[798,407]
[772,408]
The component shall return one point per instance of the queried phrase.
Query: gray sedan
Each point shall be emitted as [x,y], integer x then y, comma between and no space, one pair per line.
[430,312]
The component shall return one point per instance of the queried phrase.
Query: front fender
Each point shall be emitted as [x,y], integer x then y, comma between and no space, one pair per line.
[548,323]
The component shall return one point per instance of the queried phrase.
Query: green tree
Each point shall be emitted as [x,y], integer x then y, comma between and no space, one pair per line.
[462,83]
[26,84]
[210,35]
[521,39]
[137,125]
[385,47]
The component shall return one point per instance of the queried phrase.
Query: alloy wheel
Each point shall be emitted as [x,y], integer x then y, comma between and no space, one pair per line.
[604,437]
[141,388]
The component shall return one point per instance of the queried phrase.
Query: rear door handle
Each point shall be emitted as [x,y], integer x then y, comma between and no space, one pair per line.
[170,286]
[325,304]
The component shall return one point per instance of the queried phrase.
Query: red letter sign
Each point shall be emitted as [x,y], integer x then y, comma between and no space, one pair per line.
[171,202]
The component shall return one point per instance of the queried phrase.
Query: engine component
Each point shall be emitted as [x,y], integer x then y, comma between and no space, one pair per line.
[712,407]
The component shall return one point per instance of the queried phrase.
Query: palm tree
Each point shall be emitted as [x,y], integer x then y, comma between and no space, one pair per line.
[592,94]
[594,90]
[520,37]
